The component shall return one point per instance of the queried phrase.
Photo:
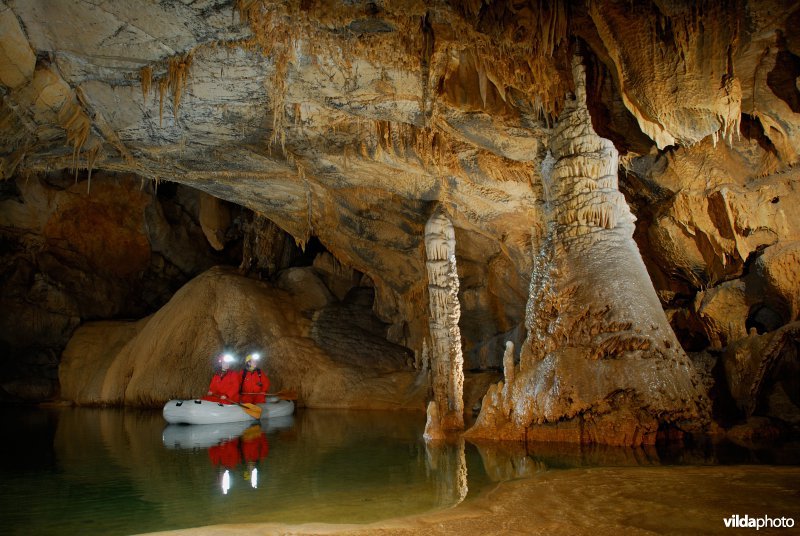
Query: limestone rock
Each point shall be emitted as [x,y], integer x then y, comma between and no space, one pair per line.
[723,311]
[16,57]
[598,353]
[679,90]
[344,128]
[755,364]
[777,267]
[88,357]
[447,359]
[215,218]
[338,278]
[116,251]
[170,354]
[756,431]
[307,289]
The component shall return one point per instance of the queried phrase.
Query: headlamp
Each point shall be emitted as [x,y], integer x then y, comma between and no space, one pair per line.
[228,358]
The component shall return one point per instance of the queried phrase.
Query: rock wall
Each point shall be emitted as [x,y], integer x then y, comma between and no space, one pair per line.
[170,353]
[117,251]
[344,124]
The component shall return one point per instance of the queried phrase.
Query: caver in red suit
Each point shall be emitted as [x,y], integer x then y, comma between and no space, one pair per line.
[225,384]
[226,454]
[255,383]
[254,444]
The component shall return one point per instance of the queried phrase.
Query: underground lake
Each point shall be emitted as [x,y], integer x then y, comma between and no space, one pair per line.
[114,471]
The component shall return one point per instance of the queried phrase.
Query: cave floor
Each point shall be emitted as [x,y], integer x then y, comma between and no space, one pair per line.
[596,501]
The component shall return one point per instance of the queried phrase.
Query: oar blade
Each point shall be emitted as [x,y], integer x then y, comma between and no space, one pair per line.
[287,394]
[251,409]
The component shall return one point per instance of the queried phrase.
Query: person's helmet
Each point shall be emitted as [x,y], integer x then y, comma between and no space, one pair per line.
[225,358]
[254,357]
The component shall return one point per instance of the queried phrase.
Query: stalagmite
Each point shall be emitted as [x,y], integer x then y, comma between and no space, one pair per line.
[600,364]
[446,411]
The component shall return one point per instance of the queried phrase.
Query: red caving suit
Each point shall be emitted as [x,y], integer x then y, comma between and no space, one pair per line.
[254,445]
[257,382]
[226,454]
[225,383]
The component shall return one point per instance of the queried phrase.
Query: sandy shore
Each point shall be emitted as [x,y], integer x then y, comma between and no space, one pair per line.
[596,501]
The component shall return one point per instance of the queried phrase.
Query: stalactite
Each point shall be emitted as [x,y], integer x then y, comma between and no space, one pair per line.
[146,78]
[162,90]
[91,159]
[76,123]
[177,74]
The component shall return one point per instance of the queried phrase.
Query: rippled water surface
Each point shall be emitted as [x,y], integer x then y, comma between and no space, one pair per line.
[108,471]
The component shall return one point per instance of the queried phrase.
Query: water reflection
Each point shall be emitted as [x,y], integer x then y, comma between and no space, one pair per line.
[512,460]
[447,462]
[508,460]
[109,471]
[234,448]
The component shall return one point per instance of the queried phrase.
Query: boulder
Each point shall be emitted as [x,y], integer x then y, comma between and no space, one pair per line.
[170,354]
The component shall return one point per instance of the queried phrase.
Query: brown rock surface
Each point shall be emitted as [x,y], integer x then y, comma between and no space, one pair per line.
[170,354]
[342,125]
[116,251]
[601,364]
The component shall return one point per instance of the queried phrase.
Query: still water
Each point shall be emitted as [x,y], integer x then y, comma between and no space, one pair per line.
[114,471]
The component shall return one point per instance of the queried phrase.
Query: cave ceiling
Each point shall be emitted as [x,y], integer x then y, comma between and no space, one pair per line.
[350,121]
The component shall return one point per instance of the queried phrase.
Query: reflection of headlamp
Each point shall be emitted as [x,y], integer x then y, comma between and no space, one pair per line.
[226,482]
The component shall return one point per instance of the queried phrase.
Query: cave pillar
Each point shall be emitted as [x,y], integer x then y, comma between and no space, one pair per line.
[446,410]
[601,363]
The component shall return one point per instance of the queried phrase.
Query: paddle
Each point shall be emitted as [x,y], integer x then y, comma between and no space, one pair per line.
[285,394]
[251,409]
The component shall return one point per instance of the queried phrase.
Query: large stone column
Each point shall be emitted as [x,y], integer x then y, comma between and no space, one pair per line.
[600,363]
[446,410]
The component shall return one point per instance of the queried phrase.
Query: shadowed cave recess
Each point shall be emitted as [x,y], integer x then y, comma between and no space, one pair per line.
[537,221]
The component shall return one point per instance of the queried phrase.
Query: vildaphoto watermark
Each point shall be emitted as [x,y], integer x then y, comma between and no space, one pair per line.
[762,522]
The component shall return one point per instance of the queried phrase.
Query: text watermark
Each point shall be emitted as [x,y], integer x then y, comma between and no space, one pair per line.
[761,522]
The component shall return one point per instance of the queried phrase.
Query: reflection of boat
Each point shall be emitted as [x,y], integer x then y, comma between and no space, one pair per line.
[278,423]
[232,446]
[189,436]
[206,412]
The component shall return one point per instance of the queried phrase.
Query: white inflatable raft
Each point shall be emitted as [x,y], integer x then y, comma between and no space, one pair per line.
[206,412]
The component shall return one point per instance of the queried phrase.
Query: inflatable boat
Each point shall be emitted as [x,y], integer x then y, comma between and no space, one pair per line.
[207,412]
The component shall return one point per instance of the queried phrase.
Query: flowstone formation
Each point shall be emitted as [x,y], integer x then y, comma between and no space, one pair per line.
[446,410]
[601,364]
[170,353]
[274,134]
